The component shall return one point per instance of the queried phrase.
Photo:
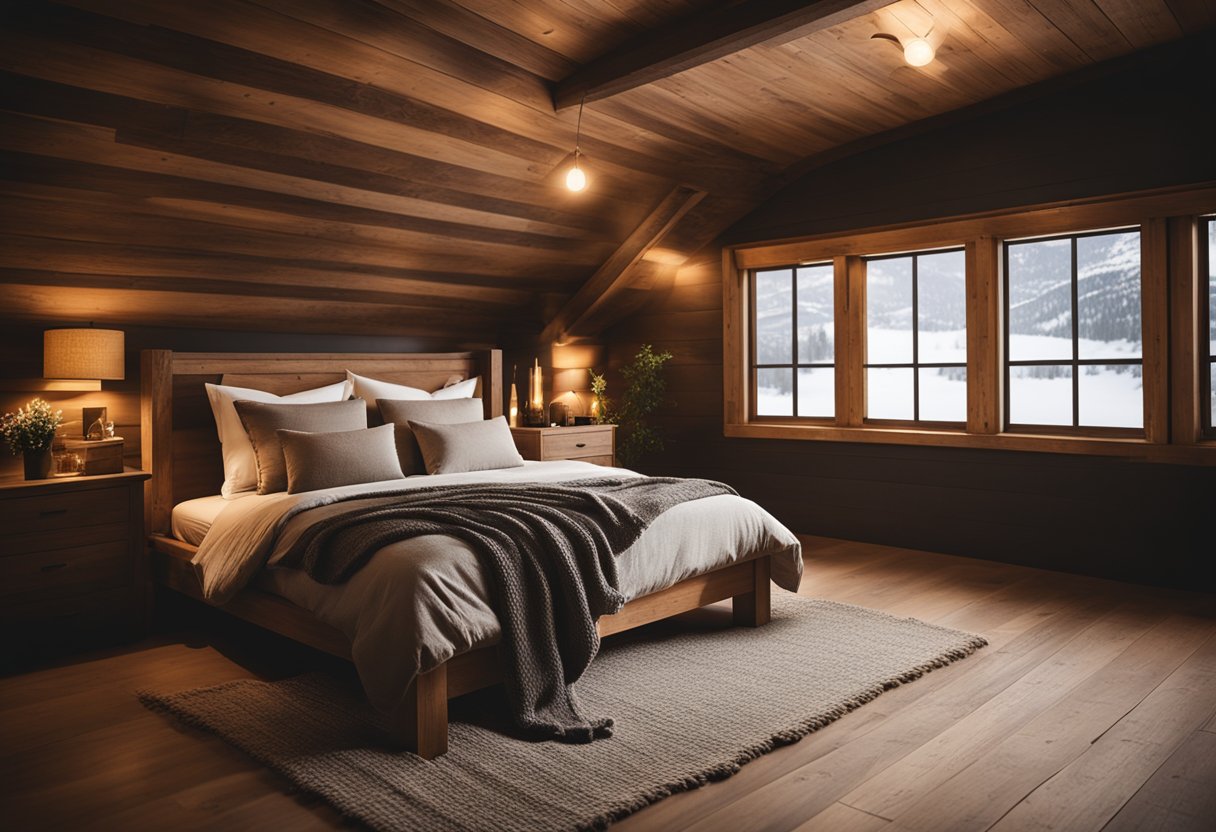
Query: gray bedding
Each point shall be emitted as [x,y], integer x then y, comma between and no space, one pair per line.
[420,602]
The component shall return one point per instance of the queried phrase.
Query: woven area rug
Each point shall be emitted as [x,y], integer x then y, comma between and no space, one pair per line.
[689,708]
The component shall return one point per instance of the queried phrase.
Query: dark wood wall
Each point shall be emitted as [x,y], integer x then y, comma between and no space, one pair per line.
[21,348]
[1143,128]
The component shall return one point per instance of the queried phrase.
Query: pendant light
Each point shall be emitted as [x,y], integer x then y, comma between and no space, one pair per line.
[917,51]
[576,179]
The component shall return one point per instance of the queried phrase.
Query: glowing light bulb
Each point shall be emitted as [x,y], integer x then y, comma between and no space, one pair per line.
[576,180]
[918,52]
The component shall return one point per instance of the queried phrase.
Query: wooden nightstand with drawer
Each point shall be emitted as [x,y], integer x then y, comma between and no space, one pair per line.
[589,443]
[73,565]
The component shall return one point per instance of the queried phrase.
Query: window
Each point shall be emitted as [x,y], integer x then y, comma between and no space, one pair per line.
[916,337]
[794,342]
[1073,331]
[1016,329]
[1207,278]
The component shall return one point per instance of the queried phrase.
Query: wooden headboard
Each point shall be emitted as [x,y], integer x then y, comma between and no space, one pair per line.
[179,445]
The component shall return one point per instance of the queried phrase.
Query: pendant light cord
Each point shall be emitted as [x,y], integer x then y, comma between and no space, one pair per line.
[578,130]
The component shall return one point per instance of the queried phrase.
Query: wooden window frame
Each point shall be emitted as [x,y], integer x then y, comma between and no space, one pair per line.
[1169,222]
[915,365]
[1074,361]
[795,364]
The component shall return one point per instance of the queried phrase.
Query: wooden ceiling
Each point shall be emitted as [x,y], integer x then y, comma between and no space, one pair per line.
[396,166]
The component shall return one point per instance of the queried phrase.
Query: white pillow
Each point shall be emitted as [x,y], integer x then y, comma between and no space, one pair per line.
[460,390]
[370,389]
[240,464]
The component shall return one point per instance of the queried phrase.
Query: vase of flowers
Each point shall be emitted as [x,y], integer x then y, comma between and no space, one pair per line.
[31,431]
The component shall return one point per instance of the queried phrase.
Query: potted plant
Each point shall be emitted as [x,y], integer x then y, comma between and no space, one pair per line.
[31,431]
[645,393]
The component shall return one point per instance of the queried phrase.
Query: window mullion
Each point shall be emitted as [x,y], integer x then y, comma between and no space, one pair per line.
[850,285]
[985,341]
[1154,323]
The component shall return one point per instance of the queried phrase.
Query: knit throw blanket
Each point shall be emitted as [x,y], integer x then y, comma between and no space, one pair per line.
[549,552]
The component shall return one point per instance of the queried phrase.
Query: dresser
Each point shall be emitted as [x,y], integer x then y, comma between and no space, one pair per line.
[73,564]
[590,443]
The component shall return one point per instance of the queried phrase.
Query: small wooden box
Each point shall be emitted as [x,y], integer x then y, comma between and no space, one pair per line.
[100,456]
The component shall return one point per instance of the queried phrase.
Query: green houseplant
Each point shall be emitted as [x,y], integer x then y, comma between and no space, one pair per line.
[645,392]
[31,431]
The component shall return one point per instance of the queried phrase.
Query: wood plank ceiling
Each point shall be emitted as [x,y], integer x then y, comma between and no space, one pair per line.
[396,166]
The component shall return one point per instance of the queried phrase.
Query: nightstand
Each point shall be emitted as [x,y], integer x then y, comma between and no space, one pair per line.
[590,443]
[73,564]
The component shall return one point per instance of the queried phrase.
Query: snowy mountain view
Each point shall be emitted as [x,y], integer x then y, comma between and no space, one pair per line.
[1040,309]
[1108,327]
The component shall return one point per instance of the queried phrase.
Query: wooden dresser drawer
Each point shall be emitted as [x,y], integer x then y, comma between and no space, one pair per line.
[44,512]
[43,541]
[577,445]
[61,573]
[73,565]
[588,443]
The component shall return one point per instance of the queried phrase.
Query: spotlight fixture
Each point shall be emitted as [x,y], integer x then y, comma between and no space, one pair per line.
[576,179]
[917,51]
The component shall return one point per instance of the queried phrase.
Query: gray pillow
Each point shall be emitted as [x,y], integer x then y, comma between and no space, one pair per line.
[431,411]
[346,457]
[468,446]
[262,420]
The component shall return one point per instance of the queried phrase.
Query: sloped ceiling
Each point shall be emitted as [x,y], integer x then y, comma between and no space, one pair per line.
[379,167]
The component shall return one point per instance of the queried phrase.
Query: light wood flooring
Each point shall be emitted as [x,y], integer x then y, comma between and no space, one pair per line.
[1093,708]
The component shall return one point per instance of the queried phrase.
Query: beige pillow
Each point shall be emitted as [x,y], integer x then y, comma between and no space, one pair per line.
[347,457]
[468,446]
[262,420]
[240,464]
[430,411]
[371,389]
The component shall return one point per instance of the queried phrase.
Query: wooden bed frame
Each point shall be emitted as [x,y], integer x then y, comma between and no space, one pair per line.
[181,451]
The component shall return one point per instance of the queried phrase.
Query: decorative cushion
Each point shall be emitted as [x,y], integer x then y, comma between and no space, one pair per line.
[467,446]
[347,457]
[371,389]
[444,412]
[240,464]
[262,420]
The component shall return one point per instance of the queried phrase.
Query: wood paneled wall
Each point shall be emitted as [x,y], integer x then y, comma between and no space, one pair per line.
[1135,521]
[21,348]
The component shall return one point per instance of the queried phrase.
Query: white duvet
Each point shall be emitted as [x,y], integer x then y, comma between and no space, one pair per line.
[422,601]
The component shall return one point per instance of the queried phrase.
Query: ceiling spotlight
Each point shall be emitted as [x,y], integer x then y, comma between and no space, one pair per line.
[917,51]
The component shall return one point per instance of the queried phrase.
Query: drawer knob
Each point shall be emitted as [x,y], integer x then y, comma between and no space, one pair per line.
[581,445]
[52,567]
[51,511]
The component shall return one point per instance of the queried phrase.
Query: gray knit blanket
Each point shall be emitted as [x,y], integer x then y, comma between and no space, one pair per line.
[549,552]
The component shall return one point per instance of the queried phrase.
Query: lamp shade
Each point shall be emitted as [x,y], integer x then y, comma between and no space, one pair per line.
[83,353]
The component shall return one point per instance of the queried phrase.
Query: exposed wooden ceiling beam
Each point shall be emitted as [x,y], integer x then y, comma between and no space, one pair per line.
[699,39]
[614,274]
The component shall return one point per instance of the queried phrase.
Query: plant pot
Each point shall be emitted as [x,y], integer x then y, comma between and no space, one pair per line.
[38,464]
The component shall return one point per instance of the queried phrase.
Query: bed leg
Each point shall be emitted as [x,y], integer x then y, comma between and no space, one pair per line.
[421,724]
[752,609]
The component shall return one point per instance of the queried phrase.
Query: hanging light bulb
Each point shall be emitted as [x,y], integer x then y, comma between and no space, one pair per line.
[576,179]
[918,52]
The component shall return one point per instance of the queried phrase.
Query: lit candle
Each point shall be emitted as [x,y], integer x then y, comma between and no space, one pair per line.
[538,389]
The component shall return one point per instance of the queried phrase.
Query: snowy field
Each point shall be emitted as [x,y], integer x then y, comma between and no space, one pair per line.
[1110,395]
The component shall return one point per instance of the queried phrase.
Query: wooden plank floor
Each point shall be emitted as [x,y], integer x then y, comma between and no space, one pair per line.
[1093,708]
